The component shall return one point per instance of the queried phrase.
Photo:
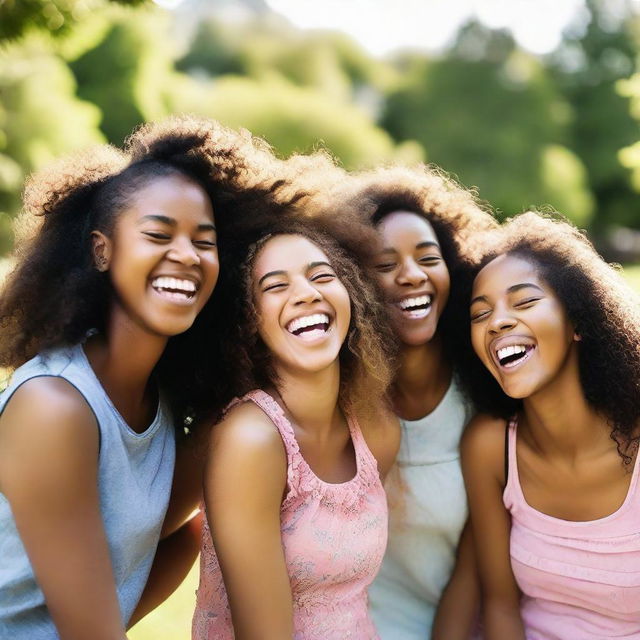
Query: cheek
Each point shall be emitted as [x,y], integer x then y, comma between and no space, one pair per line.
[477,342]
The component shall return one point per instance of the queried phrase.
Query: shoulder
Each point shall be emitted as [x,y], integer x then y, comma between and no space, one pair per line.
[483,441]
[247,434]
[46,407]
[381,431]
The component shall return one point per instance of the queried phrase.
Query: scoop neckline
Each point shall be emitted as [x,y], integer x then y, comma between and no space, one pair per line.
[624,506]
[153,425]
[350,424]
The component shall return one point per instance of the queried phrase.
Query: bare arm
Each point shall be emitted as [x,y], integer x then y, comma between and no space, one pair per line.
[245,480]
[483,468]
[49,474]
[459,606]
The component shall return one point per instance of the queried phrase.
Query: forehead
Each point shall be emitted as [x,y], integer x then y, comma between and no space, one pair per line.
[287,253]
[173,195]
[406,226]
[503,272]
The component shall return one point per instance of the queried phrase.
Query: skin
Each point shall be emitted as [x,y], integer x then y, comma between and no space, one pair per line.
[245,478]
[49,439]
[561,442]
[410,265]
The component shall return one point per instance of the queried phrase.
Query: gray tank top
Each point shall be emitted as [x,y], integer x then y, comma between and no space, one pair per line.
[135,472]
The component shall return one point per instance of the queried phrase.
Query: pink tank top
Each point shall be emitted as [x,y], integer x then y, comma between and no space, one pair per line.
[333,535]
[580,580]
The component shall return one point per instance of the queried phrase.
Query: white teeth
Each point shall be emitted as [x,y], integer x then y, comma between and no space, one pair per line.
[307,321]
[419,301]
[174,284]
[511,350]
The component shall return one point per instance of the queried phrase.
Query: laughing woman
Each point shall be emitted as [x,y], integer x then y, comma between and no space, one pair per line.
[296,512]
[553,478]
[99,320]
[428,226]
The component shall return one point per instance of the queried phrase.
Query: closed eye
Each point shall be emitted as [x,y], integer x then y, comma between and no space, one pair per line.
[156,235]
[385,267]
[323,277]
[526,303]
[275,286]
[204,244]
[430,260]
[480,315]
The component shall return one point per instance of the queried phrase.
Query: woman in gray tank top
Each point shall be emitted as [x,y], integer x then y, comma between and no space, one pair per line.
[103,321]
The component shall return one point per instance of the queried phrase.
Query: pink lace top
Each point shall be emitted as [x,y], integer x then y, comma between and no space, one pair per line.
[579,580]
[334,537]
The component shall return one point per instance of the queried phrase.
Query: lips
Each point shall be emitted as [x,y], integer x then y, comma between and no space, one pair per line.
[415,306]
[175,289]
[511,352]
[309,327]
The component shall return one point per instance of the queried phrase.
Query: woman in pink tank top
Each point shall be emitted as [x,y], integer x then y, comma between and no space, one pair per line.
[550,468]
[296,513]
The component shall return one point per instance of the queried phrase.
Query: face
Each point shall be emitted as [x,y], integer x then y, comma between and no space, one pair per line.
[413,276]
[519,328]
[162,256]
[303,309]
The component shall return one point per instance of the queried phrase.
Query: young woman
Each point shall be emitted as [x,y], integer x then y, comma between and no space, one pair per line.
[428,226]
[551,469]
[123,261]
[296,512]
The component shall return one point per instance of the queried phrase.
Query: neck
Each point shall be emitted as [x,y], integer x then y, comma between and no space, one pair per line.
[559,419]
[123,360]
[422,379]
[311,399]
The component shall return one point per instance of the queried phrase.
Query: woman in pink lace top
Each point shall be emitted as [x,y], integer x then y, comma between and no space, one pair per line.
[552,483]
[296,513]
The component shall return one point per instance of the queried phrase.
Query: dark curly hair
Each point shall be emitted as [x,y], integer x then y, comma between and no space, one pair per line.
[55,296]
[599,303]
[365,357]
[458,218]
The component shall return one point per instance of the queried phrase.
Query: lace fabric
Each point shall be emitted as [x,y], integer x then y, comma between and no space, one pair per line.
[333,535]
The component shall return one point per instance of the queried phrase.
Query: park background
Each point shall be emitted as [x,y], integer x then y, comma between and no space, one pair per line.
[536,103]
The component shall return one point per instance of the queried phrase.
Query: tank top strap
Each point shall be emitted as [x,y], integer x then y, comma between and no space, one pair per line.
[512,494]
[365,460]
[268,404]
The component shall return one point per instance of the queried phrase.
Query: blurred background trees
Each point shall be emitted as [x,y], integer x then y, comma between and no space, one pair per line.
[558,130]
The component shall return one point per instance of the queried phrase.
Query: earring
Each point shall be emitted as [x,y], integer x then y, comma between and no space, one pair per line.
[101,263]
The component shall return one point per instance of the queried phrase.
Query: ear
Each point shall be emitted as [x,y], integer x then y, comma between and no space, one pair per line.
[101,248]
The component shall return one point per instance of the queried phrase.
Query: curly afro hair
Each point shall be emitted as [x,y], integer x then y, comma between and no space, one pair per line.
[369,350]
[599,303]
[55,296]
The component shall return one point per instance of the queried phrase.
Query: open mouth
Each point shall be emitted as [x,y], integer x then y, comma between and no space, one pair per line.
[310,327]
[175,289]
[417,307]
[514,354]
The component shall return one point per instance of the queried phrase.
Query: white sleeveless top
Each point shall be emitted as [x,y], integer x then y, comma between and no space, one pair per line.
[425,522]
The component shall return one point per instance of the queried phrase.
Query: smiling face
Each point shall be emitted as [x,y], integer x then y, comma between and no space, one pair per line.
[303,309]
[162,257]
[519,328]
[413,276]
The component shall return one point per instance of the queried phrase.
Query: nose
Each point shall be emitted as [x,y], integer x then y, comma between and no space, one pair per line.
[304,292]
[500,322]
[411,274]
[182,250]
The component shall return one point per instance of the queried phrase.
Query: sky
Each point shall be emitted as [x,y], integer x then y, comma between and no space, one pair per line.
[383,26]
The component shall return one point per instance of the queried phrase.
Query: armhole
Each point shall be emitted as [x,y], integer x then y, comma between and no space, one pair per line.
[506,454]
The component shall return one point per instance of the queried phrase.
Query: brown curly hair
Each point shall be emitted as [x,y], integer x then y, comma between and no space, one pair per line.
[602,307]
[55,296]
[458,218]
[365,357]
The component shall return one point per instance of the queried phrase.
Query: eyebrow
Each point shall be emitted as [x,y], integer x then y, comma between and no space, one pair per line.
[208,226]
[282,272]
[421,245]
[512,289]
